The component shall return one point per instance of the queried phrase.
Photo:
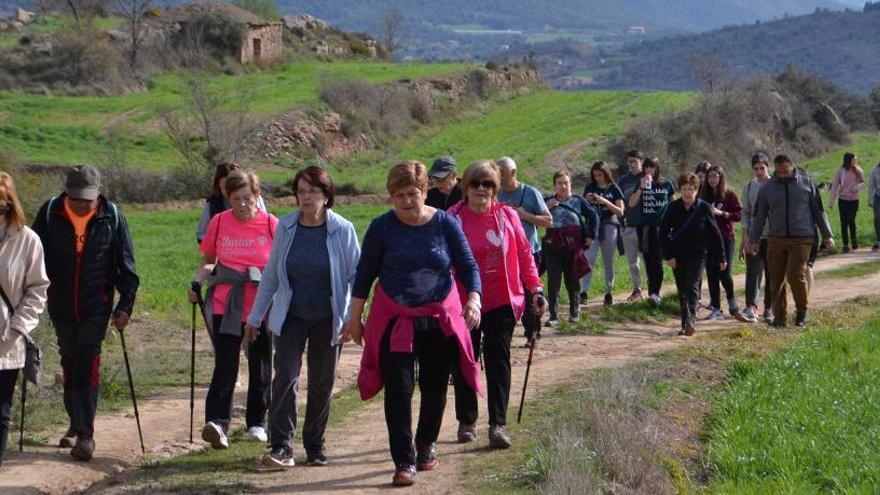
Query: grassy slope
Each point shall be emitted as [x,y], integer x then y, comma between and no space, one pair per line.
[67,130]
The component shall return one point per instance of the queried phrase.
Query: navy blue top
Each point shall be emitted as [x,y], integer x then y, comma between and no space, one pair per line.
[414,263]
[308,269]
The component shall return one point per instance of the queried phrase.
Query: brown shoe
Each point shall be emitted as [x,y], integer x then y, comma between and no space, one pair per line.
[426,457]
[405,475]
[68,440]
[635,296]
[84,448]
[689,330]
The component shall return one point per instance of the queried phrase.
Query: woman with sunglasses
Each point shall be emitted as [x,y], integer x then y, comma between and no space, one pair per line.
[575,227]
[416,314]
[504,256]
[652,196]
[23,285]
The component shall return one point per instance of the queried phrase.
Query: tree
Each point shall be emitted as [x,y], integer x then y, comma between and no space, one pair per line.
[83,10]
[391,31]
[134,12]
[712,72]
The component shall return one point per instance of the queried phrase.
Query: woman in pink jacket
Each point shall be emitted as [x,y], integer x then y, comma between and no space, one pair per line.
[847,183]
[503,254]
[23,285]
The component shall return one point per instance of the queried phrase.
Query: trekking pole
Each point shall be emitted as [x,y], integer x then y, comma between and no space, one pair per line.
[23,400]
[522,398]
[192,366]
[137,416]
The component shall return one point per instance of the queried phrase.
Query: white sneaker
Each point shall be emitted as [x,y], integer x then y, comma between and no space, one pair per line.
[655,300]
[257,434]
[213,434]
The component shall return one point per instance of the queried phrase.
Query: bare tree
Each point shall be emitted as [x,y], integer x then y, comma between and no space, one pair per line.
[391,31]
[134,12]
[712,72]
[83,10]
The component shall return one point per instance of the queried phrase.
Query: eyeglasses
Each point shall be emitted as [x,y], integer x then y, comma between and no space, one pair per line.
[487,184]
[309,192]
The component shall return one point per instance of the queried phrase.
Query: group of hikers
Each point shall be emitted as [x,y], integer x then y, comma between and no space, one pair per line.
[458,264]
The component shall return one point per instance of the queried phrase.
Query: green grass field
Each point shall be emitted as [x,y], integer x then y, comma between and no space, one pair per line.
[68,130]
[803,420]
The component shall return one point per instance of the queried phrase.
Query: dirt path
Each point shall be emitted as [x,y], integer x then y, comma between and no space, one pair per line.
[360,462]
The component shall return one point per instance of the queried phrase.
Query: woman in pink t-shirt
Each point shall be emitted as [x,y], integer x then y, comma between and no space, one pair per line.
[235,250]
[504,256]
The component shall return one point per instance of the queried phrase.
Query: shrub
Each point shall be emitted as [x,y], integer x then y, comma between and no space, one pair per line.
[222,34]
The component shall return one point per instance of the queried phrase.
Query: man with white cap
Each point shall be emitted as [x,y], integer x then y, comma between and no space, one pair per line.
[89,256]
[446,190]
[533,213]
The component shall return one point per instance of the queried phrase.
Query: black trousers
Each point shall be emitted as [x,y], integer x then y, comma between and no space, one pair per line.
[558,269]
[848,211]
[530,321]
[434,353]
[227,351]
[79,344]
[7,390]
[718,278]
[687,282]
[650,246]
[496,330]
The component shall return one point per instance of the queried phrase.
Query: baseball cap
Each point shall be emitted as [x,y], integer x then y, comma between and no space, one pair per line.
[83,182]
[442,167]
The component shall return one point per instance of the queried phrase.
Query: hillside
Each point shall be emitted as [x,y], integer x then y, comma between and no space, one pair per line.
[840,46]
[685,15]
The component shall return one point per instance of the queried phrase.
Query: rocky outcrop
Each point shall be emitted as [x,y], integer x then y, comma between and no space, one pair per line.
[296,136]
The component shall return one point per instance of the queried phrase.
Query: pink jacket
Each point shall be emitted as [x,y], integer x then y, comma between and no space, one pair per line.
[519,264]
[383,310]
[847,184]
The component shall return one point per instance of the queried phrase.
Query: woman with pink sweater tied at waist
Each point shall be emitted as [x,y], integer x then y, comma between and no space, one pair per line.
[847,183]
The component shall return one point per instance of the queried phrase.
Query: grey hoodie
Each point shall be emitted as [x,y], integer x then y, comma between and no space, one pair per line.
[792,208]
[749,198]
[874,184]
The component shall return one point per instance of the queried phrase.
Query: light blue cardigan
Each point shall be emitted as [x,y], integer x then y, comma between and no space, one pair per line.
[344,251]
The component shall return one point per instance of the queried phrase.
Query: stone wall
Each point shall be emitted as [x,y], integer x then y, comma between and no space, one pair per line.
[271,38]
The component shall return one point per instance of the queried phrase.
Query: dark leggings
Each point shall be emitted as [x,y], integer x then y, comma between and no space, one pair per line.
[496,330]
[848,211]
[7,389]
[227,352]
[558,269]
[435,353]
[650,245]
[718,278]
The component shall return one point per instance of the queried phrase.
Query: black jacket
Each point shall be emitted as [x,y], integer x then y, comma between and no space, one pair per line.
[700,238]
[442,202]
[82,288]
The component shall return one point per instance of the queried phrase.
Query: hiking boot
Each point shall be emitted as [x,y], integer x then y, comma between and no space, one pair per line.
[426,457]
[800,320]
[279,457]
[68,440]
[214,434]
[257,434]
[468,433]
[609,300]
[316,458]
[875,247]
[716,314]
[404,475]
[654,300]
[498,437]
[747,316]
[553,322]
[582,299]
[84,448]
[635,296]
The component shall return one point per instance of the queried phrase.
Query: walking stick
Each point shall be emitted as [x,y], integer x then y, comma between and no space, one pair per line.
[192,371]
[522,398]
[137,416]
[23,400]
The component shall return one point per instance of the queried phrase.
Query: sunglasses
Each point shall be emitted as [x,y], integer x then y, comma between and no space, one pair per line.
[487,184]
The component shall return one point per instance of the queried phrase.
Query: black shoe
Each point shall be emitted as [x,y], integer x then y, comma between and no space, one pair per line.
[855,246]
[279,457]
[778,322]
[609,300]
[426,457]
[801,320]
[845,249]
[876,247]
[316,459]
[582,299]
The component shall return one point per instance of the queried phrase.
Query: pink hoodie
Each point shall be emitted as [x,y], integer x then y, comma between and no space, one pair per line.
[847,184]
[383,309]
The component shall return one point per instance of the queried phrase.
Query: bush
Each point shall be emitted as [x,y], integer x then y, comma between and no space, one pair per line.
[219,32]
